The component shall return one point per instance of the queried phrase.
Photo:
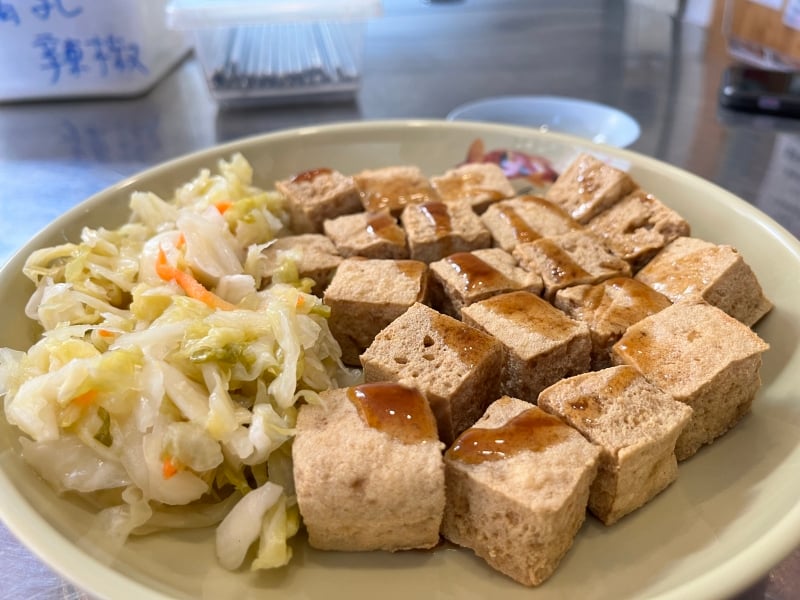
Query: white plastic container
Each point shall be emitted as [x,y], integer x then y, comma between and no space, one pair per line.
[75,48]
[276,51]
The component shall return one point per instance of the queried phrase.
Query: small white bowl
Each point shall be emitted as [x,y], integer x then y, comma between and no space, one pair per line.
[597,122]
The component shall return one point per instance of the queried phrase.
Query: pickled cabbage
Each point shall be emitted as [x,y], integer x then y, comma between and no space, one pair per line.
[166,381]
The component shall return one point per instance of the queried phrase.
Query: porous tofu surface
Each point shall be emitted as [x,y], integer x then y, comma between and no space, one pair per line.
[573,258]
[372,235]
[701,356]
[477,185]
[541,344]
[520,512]
[636,425]
[591,302]
[437,229]
[609,308]
[524,323]
[366,295]
[637,227]
[525,219]
[463,278]
[589,186]
[360,488]
[316,195]
[692,268]
[394,188]
[456,366]
[313,254]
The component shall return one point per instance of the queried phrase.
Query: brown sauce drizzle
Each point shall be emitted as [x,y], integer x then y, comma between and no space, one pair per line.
[640,297]
[470,344]
[476,274]
[531,313]
[558,264]
[628,298]
[491,195]
[395,195]
[683,276]
[586,178]
[438,216]
[637,346]
[554,209]
[382,225]
[467,186]
[401,412]
[596,300]
[515,304]
[589,407]
[522,231]
[452,188]
[532,430]
[310,175]
[411,268]
[584,408]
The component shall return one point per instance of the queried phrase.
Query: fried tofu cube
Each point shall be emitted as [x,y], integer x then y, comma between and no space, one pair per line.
[371,235]
[525,219]
[477,185]
[588,187]
[636,425]
[466,277]
[637,227]
[438,229]
[455,366]
[541,344]
[609,308]
[394,188]
[316,195]
[693,268]
[702,357]
[368,470]
[570,259]
[518,504]
[368,294]
[312,254]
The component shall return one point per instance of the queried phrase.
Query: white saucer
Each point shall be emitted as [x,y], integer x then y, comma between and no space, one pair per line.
[597,122]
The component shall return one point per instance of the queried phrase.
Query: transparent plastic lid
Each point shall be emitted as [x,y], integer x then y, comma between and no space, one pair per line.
[195,14]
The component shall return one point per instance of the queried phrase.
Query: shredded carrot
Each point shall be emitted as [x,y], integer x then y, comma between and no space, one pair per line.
[181,242]
[163,268]
[300,302]
[85,399]
[222,206]
[190,285]
[106,333]
[168,468]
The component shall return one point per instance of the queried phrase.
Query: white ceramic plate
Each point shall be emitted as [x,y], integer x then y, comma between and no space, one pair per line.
[732,514]
[600,123]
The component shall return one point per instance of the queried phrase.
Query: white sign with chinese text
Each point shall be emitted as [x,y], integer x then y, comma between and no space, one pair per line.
[57,48]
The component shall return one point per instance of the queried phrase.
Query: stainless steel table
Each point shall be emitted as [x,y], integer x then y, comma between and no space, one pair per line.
[421,60]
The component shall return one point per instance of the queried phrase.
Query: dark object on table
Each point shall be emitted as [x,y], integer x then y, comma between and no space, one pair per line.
[760,90]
